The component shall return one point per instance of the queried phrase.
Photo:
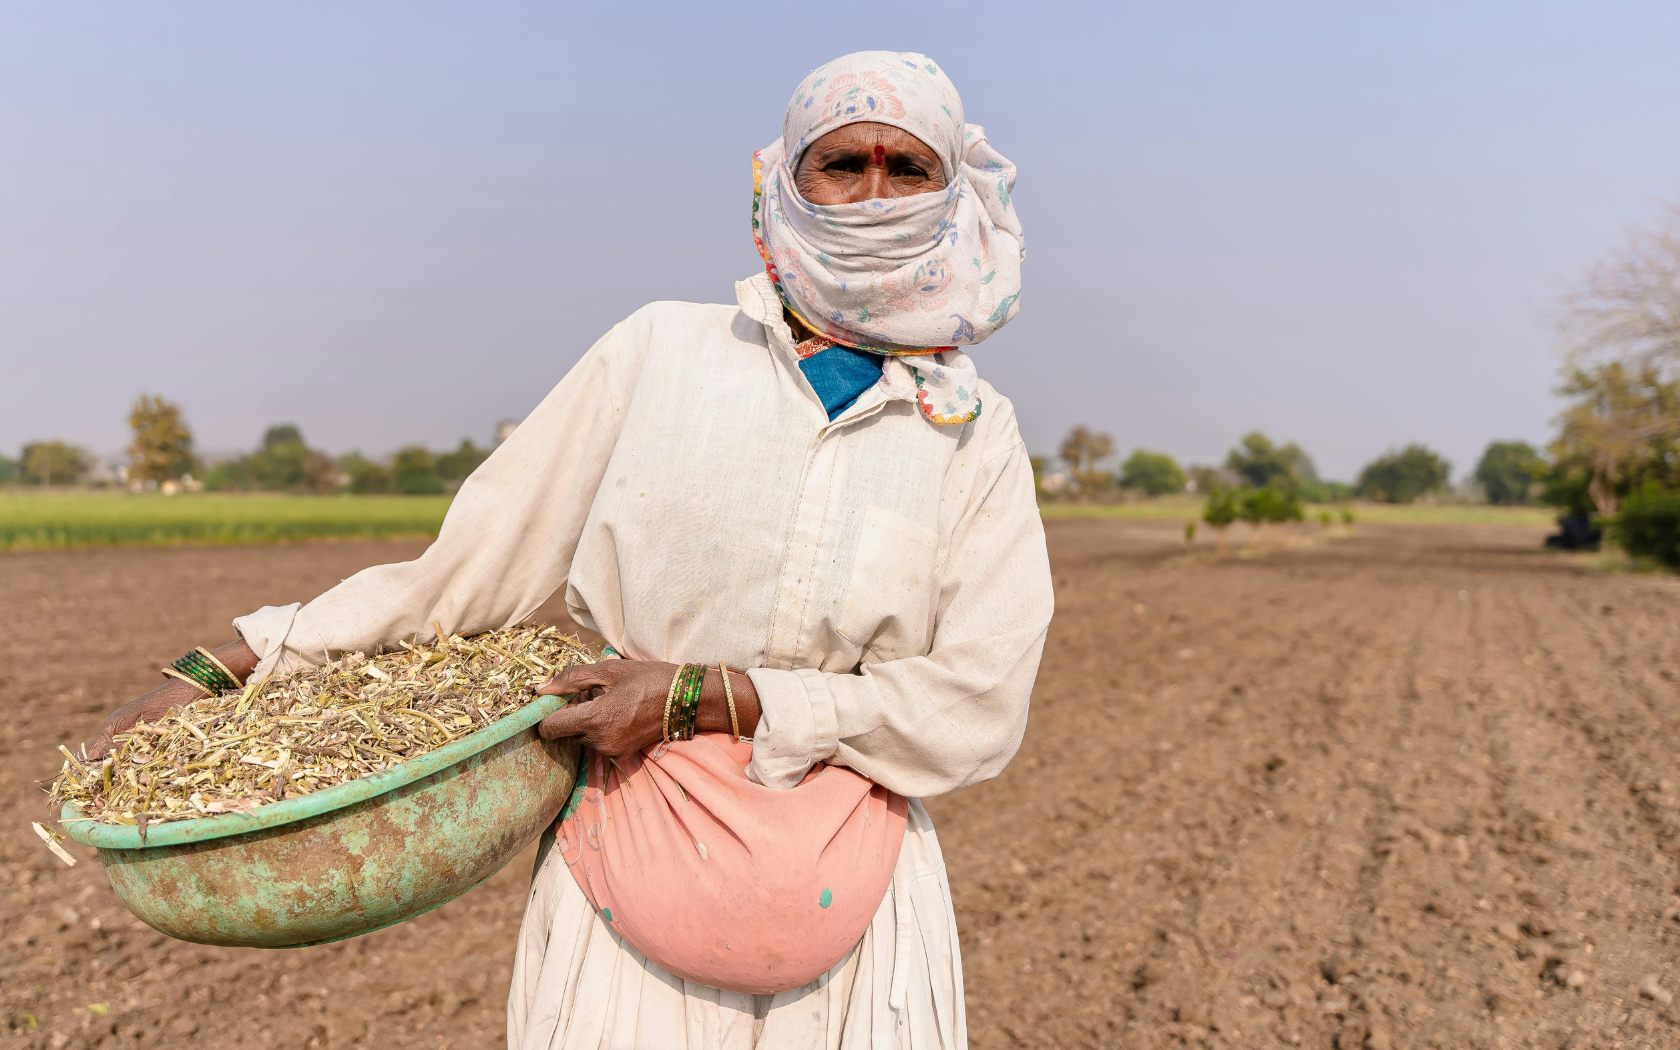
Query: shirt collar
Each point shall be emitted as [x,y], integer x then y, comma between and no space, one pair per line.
[759,302]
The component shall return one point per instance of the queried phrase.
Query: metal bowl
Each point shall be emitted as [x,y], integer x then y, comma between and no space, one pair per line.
[348,859]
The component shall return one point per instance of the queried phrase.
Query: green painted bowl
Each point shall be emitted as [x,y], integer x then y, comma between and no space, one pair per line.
[349,859]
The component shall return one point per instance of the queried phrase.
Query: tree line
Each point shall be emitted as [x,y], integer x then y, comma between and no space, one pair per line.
[161,455]
[1256,461]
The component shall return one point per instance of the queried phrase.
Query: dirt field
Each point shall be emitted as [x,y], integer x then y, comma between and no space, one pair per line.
[1412,788]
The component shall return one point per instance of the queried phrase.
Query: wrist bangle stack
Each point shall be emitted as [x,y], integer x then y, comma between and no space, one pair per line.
[201,668]
[682,703]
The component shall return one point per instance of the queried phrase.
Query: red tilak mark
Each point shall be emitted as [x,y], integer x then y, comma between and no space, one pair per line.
[880,154]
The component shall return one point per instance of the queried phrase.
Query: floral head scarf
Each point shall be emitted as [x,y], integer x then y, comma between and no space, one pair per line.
[905,276]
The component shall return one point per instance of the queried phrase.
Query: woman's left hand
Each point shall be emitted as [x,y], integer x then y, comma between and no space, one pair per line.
[620,704]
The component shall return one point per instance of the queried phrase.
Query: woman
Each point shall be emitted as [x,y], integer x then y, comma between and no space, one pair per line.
[812,484]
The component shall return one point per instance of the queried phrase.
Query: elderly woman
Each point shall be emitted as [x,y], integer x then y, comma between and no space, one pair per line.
[811,484]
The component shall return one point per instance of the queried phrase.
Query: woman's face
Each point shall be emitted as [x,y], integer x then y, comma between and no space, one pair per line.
[867,161]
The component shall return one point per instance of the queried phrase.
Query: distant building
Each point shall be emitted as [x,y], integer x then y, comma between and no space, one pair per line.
[1054,483]
[106,472]
[505,429]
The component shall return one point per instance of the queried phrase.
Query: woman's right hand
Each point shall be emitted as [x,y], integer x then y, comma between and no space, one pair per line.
[236,656]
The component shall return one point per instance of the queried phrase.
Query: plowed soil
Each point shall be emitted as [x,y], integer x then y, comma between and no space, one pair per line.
[1414,787]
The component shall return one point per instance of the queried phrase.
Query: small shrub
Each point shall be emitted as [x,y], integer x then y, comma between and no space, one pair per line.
[1287,507]
[1222,509]
[1151,473]
[1648,525]
[1269,504]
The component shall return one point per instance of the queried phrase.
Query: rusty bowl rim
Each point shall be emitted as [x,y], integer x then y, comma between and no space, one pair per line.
[100,835]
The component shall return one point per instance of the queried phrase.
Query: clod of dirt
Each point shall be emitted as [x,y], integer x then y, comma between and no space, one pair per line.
[1430,838]
[1379,1039]
[1352,1036]
[1334,967]
[1575,980]
[1650,989]
[1508,930]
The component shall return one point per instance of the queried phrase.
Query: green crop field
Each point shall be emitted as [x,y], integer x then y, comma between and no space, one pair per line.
[1184,508]
[37,520]
[57,519]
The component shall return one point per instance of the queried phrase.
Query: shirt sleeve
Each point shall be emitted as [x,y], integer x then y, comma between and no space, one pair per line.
[931,724]
[506,543]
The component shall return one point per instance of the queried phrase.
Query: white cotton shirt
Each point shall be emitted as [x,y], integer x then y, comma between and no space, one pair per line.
[883,578]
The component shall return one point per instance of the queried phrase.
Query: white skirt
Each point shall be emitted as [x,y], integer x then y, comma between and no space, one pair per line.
[577,985]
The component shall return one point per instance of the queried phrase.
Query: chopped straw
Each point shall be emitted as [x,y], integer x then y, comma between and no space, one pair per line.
[327,725]
[51,839]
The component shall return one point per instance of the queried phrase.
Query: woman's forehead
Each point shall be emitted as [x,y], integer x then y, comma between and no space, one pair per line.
[868,134]
[905,90]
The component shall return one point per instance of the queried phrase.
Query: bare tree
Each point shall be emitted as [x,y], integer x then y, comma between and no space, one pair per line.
[1628,309]
[1621,333]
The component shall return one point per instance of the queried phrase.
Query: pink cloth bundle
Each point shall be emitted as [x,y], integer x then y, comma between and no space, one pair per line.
[725,882]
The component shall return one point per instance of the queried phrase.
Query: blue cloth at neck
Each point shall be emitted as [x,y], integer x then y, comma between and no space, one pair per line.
[839,374]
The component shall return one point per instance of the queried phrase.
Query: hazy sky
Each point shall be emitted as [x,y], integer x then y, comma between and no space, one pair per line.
[1344,224]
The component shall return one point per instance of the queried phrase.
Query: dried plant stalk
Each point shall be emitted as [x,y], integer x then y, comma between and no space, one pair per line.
[297,734]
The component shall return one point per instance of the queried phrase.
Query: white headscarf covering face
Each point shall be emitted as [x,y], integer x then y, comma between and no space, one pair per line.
[902,276]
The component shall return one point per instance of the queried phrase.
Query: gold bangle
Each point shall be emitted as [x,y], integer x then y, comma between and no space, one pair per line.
[670,699]
[729,695]
[208,655]
[200,686]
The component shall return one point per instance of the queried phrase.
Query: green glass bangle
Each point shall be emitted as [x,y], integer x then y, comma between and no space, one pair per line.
[209,677]
[692,684]
[197,673]
[699,690]
[205,672]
